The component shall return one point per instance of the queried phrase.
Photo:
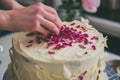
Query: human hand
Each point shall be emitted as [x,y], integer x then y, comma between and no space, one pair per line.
[37,17]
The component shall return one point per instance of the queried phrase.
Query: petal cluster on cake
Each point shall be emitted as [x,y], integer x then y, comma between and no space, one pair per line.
[76,39]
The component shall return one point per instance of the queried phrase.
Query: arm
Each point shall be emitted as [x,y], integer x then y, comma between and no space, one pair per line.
[10,4]
[3,20]
[4,16]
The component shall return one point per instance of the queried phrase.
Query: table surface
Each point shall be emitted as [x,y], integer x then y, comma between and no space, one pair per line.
[5,45]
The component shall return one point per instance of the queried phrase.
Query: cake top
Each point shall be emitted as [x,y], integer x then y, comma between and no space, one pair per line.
[76,41]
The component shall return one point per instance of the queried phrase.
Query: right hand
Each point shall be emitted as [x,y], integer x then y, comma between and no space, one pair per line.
[38,17]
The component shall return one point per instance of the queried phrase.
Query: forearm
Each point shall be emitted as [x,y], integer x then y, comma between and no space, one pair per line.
[10,4]
[4,14]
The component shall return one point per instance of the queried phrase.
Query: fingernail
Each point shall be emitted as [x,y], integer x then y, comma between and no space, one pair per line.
[59,27]
[57,32]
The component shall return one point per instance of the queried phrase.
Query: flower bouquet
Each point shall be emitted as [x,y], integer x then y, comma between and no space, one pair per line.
[73,9]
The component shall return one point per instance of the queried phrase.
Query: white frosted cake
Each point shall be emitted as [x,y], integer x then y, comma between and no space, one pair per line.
[77,53]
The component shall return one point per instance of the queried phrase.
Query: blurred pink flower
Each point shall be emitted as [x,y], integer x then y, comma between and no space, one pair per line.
[90,5]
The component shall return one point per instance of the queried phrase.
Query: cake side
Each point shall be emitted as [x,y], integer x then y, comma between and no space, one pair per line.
[81,59]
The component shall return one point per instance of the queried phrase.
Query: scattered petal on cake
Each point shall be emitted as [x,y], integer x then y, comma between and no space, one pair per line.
[84,72]
[85,35]
[93,47]
[78,26]
[72,24]
[82,46]
[50,52]
[83,29]
[85,53]
[30,34]
[31,41]
[29,45]
[80,77]
[94,38]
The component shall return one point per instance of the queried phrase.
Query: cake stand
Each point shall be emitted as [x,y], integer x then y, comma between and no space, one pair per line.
[111,74]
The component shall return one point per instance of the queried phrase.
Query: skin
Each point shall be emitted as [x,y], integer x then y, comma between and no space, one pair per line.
[37,17]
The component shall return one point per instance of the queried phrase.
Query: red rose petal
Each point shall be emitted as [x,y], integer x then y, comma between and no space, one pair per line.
[29,45]
[31,41]
[86,53]
[81,46]
[30,34]
[85,35]
[83,29]
[80,78]
[58,46]
[84,72]
[93,47]
[78,26]
[72,24]
[94,38]
[50,52]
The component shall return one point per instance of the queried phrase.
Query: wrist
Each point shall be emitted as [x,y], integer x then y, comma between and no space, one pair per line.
[4,20]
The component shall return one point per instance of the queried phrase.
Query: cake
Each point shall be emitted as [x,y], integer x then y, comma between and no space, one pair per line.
[77,53]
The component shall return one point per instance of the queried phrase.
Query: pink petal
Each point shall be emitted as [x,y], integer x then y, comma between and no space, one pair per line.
[93,47]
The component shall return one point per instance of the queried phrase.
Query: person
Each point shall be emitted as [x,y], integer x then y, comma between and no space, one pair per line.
[37,17]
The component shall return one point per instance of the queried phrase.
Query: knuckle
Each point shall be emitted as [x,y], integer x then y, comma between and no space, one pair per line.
[38,9]
[35,25]
[53,10]
[52,26]
[36,17]
[34,21]
[55,20]
[38,3]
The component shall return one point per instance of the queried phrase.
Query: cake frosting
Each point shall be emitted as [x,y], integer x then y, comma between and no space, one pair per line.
[77,53]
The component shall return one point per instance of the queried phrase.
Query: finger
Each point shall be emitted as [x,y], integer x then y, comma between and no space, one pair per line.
[49,25]
[53,11]
[49,16]
[52,18]
[43,11]
[41,29]
[58,23]
[49,9]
